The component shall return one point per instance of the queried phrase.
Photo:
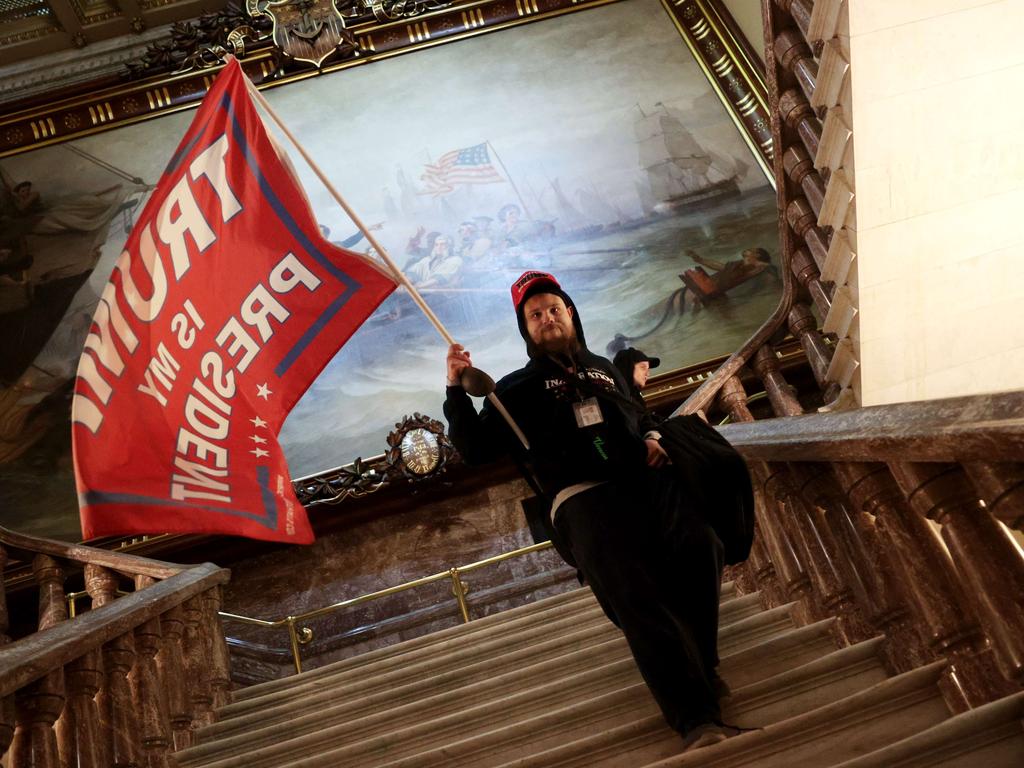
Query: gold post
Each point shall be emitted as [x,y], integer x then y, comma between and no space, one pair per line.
[459,590]
[295,644]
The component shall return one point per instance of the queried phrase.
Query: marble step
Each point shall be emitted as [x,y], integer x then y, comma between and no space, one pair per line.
[386,675]
[828,735]
[359,717]
[580,612]
[991,736]
[495,731]
[533,612]
[454,652]
[785,695]
[536,611]
[821,737]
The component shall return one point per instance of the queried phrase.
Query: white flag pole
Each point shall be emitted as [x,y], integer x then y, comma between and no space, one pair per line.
[399,276]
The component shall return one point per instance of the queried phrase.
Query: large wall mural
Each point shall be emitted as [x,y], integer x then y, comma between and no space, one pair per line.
[592,147]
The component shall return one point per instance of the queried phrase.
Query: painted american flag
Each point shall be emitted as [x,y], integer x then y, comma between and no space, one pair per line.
[471,165]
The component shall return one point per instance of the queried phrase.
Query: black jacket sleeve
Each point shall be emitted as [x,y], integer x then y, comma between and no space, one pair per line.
[482,437]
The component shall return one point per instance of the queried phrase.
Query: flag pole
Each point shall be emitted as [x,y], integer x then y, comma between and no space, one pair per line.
[508,175]
[398,274]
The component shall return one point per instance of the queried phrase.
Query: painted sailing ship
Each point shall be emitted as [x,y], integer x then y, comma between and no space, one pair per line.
[679,172]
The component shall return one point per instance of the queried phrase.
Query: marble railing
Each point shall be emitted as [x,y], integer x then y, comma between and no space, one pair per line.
[898,520]
[125,683]
[809,167]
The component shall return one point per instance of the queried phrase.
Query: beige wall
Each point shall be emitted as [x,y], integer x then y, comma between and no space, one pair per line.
[939,161]
[748,17]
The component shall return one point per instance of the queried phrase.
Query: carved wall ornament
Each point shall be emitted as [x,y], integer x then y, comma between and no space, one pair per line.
[306,30]
[418,448]
[360,478]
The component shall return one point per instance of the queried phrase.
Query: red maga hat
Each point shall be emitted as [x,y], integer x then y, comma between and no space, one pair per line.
[527,281]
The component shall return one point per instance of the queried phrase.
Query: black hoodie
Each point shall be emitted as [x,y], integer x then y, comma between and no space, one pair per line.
[540,397]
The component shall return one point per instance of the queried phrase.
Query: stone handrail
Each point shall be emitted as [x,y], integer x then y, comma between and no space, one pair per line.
[24,547]
[30,658]
[125,683]
[896,519]
[983,428]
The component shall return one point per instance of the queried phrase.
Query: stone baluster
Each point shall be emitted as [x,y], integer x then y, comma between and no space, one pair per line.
[38,705]
[1001,486]
[800,169]
[866,566]
[220,664]
[118,722]
[732,397]
[803,325]
[788,564]
[197,664]
[927,585]
[171,664]
[793,54]
[773,558]
[806,273]
[983,554]
[796,112]
[804,222]
[149,691]
[78,730]
[800,10]
[781,395]
[833,597]
[6,704]
[816,550]
[762,571]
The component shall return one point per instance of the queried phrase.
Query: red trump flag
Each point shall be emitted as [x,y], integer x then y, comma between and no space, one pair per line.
[224,306]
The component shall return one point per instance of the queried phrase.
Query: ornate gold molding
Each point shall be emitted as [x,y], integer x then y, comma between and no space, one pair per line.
[731,74]
[735,78]
[131,103]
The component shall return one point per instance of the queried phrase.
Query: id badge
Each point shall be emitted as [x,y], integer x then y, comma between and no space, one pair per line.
[588,412]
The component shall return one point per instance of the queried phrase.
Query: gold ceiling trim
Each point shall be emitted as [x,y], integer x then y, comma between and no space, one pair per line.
[735,81]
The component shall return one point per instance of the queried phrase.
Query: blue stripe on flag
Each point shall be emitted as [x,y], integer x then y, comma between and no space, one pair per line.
[94,498]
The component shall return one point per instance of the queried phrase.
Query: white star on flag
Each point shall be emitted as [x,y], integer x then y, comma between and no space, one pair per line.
[257,439]
[263,391]
[259,452]
[258,422]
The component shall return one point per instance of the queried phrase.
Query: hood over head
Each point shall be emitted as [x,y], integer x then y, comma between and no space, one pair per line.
[531,283]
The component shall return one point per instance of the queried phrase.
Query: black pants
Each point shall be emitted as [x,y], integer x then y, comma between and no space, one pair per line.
[656,570]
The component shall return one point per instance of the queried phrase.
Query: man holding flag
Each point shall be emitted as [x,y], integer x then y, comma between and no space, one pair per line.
[224,306]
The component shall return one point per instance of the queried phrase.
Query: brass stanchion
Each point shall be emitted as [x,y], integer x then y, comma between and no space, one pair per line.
[459,590]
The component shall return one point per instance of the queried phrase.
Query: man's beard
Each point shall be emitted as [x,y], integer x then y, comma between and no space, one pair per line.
[562,344]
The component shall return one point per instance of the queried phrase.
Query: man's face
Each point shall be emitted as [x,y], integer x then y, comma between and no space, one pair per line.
[641,371]
[24,191]
[549,322]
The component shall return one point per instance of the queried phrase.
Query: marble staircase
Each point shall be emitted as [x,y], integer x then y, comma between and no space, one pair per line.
[553,684]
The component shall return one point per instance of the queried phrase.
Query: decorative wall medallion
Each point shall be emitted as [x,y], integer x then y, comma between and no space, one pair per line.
[418,448]
[305,30]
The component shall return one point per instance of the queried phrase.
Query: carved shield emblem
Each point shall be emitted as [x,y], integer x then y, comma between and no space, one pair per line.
[305,30]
